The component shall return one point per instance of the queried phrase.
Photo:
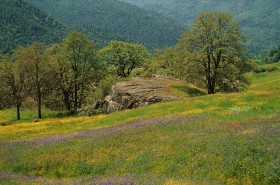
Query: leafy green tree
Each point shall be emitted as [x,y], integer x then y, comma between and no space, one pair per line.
[77,68]
[62,80]
[36,68]
[13,79]
[273,56]
[125,56]
[214,52]
[172,61]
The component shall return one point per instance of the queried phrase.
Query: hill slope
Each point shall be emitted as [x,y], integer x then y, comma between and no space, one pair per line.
[213,139]
[21,24]
[111,17]
[259,19]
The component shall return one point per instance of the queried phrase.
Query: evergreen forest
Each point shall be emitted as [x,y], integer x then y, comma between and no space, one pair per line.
[259,20]
[22,24]
[105,20]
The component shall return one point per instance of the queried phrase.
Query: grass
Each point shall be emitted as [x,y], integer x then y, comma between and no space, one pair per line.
[220,139]
[9,117]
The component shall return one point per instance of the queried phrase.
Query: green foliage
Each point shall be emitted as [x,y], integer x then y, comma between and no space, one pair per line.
[219,139]
[20,167]
[59,77]
[211,53]
[272,57]
[23,24]
[259,19]
[172,61]
[13,79]
[76,69]
[265,69]
[106,20]
[125,56]
[103,88]
[36,71]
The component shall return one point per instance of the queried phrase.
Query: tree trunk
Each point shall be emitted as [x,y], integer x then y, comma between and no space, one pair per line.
[211,86]
[39,94]
[76,92]
[18,111]
[67,100]
[211,89]
[39,104]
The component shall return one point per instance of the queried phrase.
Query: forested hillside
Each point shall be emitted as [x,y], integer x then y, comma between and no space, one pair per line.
[114,20]
[21,24]
[259,19]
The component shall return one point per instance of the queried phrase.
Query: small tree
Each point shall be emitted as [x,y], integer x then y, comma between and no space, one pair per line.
[13,78]
[214,52]
[35,61]
[125,56]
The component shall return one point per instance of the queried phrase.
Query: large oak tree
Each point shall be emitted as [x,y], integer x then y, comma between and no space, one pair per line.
[214,52]
[77,68]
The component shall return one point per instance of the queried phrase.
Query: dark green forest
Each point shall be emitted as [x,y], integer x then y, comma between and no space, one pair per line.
[22,24]
[105,20]
[259,20]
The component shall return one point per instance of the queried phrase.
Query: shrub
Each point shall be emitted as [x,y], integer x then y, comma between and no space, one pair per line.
[103,89]
[265,69]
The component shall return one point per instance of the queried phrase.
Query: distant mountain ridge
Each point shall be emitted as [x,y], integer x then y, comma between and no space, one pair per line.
[22,24]
[114,20]
[259,19]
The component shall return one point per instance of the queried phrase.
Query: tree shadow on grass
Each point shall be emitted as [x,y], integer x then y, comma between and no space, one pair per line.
[191,91]
[32,117]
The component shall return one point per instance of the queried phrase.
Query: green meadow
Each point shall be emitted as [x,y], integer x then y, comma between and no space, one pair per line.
[203,139]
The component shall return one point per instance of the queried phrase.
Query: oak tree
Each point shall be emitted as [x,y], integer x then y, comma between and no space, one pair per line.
[125,56]
[36,68]
[13,79]
[213,49]
[76,64]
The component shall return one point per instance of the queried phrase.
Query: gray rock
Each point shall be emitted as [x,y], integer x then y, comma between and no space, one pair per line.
[135,93]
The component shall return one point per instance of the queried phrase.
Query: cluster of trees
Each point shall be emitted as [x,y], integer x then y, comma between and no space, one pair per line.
[210,55]
[272,57]
[63,75]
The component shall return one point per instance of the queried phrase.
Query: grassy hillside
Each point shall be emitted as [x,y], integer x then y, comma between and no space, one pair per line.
[213,139]
[22,24]
[112,19]
[259,19]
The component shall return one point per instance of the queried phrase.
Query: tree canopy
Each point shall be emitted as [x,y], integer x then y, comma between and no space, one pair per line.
[125,56]
[212,54]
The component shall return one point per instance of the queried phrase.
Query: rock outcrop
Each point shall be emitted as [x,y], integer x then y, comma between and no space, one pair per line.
[137,92]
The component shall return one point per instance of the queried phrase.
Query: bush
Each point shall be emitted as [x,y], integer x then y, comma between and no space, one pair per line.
[265,69]
[103,89]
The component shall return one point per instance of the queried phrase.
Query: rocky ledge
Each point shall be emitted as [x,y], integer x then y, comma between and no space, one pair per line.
[135,93]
